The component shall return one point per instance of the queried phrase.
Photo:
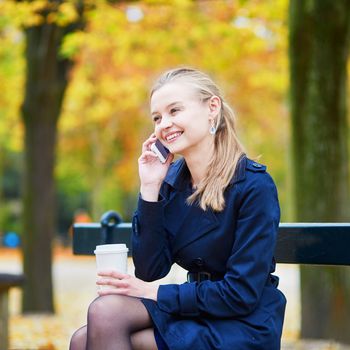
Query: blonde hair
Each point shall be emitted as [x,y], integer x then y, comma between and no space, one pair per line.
[227,148]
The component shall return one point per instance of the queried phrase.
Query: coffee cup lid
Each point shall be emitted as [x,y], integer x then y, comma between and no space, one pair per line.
[111,248]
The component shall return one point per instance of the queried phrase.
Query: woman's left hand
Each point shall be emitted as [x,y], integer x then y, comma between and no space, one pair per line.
[125,284]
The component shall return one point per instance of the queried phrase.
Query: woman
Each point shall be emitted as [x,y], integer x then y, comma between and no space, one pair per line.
[215,213]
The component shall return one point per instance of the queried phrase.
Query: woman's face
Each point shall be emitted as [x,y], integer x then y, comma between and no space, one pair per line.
[182,121]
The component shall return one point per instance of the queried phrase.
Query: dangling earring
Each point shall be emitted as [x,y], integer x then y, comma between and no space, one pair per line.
[212,129]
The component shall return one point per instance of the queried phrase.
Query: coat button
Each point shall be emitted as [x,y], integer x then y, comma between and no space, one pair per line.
[257,165]
[198,262]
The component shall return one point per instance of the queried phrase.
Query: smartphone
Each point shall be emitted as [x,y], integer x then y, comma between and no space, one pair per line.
[160,150]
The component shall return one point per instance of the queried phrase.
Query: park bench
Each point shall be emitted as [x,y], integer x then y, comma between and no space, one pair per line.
[7,281]
[297,243]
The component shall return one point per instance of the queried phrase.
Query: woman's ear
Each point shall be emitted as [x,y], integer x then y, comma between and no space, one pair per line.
[214,106]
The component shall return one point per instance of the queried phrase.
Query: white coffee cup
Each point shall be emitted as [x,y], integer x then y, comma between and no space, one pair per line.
[112,257]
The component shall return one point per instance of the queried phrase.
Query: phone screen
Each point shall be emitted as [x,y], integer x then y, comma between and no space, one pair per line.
[160,150]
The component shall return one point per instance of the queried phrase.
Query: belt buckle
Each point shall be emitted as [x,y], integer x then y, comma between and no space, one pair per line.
[198,276]
[203,276]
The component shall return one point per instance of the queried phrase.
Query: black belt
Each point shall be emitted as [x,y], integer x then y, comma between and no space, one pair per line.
[198,276]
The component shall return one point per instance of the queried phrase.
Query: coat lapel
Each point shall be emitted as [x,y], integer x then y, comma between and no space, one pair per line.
[194,225]
[175,212]
[185,223]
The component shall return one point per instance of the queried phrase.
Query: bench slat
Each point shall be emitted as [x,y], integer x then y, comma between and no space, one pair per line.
[297,243]
[310,243]
[87,236]
[8,280]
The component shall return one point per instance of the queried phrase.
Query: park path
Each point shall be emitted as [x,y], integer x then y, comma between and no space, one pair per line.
[74,283]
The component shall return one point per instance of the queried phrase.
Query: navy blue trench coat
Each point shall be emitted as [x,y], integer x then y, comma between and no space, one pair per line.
[240,306]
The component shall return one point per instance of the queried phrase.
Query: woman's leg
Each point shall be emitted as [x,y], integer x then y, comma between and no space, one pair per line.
[112,319]
[142,340]
[78,340]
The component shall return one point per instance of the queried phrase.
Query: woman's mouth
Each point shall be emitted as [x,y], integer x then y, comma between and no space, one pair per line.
[173,136]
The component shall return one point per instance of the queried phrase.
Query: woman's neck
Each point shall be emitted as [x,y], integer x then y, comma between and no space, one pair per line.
[197,165]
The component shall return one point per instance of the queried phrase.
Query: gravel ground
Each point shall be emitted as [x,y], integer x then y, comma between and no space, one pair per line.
[74,283]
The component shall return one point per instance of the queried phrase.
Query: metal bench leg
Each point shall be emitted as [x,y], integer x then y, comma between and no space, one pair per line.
[4,316]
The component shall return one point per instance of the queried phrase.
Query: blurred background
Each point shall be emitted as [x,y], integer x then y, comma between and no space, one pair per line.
[75,79]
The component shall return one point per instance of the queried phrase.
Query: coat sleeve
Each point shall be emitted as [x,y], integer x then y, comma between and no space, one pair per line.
[248,267]
[151,252]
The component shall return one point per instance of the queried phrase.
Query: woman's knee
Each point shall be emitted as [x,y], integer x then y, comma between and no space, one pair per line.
[78,339]
[105,308]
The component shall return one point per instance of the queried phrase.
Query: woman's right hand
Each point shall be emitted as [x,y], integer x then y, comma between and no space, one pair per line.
[151,171]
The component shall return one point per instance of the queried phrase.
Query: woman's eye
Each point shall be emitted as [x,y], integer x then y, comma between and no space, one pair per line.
[156,119]
[174,110]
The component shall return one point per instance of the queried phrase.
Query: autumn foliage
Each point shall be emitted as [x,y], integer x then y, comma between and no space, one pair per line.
[125,45]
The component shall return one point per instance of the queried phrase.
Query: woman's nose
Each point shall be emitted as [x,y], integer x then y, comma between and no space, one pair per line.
[166,122]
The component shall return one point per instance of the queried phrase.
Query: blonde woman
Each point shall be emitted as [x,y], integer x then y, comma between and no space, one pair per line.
[215,213]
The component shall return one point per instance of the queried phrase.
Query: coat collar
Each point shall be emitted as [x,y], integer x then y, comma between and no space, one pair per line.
[240,173]
[189,223]
[178,175]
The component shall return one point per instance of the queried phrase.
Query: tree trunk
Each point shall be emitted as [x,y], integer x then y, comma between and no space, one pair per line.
[46,82]
[38,216]
[319,41]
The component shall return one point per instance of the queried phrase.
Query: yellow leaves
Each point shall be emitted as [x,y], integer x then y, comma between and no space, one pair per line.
[72,44]
[107,103]
[64,15]
[123,172]
[37,12]
[68,10]
[182,3]
[278,80]
[23,13]
[11,81]
[242,44]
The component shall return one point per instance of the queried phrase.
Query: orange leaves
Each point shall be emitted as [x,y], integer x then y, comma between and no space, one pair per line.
[242,44]
[125,45]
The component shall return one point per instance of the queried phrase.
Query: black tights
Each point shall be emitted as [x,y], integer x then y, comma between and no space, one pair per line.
[115,322]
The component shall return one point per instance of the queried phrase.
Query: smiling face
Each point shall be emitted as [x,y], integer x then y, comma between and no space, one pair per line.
[182,120]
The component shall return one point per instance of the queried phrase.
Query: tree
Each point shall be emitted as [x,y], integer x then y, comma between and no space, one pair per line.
[102,125]
[319,43]
[46,81]
[105,117]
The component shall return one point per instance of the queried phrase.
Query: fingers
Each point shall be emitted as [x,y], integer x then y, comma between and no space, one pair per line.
[146,146]
[147,156]
[116,281]
[112,282]
[112,278]
[113,274]
[110,291]
[169,159]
